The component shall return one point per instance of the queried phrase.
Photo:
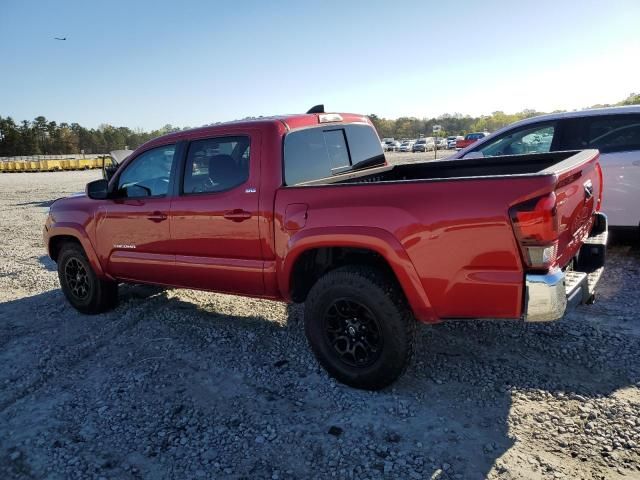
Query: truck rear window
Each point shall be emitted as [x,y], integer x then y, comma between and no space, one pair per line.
[321,152]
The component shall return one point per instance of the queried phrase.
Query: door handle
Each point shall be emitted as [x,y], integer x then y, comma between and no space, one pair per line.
[157,217]
[237,215]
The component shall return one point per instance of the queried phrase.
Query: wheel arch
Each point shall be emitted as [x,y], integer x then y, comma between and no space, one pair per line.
[313,252]
[60,234]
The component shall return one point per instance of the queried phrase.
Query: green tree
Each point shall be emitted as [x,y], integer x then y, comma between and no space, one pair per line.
[633,99]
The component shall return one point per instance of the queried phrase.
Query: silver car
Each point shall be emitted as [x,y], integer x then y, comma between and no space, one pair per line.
[406,146]
[614,131]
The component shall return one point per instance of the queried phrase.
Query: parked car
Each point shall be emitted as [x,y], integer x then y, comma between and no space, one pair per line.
[614,131]
[423,145]
[391,146]
[406,145]
[469,139]
[442,143]
[304,208]
[451,141]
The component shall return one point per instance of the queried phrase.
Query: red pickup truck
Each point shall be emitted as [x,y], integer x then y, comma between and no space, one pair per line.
[304,208]
[470,138]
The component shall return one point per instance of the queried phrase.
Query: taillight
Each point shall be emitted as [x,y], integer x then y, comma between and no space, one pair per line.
[601,178]
[535,223]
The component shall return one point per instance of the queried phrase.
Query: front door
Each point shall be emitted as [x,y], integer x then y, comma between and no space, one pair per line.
[132,228]
[618,139]
[214,219]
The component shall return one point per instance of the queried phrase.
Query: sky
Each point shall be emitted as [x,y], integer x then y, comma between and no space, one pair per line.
[144,64]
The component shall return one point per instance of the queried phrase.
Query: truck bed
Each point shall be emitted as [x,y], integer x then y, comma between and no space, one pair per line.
[476,168]
[454,219]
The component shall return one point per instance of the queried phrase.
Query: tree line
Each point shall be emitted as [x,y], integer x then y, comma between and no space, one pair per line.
[41,136]
[457,124]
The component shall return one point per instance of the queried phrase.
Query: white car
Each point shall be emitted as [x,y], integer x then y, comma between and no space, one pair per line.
[451,141]
[423,145]
[391,146]
[406,145]
[614,131]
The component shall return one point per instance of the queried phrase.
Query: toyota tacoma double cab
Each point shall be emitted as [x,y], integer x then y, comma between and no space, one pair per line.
[304,208]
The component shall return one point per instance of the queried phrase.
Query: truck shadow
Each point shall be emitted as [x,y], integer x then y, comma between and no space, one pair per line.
[41,203]
[449,412]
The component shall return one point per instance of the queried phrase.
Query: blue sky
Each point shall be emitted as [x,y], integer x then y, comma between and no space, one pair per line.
[145,64]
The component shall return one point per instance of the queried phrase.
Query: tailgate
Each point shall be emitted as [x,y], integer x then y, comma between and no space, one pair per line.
[578,195]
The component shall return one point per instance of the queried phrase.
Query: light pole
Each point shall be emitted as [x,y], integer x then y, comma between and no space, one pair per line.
[436,131]
[43,139]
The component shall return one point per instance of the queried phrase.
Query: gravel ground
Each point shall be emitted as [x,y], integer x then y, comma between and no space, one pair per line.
[185,384]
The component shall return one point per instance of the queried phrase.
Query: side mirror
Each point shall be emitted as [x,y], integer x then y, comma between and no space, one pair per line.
[98,189]
[108,171]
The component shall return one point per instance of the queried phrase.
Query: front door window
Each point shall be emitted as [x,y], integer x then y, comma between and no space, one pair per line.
[535,139]
[148,175]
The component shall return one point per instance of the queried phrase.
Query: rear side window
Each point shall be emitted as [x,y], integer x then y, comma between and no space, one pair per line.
[321,152]
[216,164]
[614,133]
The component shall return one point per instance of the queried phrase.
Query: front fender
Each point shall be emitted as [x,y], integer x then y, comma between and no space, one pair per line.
[76,231]
[370,238]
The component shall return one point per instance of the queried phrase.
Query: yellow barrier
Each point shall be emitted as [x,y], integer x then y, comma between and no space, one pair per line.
[53,165]
[56,164]
[85,163]
[73,164]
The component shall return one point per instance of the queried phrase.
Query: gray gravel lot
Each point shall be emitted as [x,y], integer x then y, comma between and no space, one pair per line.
[186,384]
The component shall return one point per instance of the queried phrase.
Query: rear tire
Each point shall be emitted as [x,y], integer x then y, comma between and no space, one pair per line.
[83,289]
[359,327]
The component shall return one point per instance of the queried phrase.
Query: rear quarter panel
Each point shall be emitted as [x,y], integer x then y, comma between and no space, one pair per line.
[456,234]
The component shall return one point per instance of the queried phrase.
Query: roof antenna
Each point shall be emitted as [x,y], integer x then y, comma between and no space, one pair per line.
[317,109]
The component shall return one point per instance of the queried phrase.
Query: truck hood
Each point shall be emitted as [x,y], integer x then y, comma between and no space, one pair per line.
[70,201]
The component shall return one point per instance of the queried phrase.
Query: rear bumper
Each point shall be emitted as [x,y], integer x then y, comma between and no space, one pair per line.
[549,296]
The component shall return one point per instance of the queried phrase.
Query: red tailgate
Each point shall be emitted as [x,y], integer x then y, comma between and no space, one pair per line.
[578,192]
[551,228]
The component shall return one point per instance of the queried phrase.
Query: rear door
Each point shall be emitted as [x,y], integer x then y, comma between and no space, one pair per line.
[214,219]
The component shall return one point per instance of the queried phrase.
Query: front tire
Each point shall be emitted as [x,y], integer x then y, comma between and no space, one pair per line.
[83,289]
[359,327]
